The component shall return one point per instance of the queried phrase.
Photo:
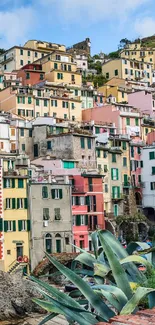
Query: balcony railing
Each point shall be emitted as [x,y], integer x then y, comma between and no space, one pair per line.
[139,185]
[126,184]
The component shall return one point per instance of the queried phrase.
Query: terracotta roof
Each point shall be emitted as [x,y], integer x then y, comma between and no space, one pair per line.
[143,317]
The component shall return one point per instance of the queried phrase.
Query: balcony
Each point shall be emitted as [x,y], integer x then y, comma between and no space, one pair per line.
[8,58]
[95,227]
[139,185]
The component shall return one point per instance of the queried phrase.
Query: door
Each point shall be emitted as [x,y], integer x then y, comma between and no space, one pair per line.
[58,245]
[81,243]
[19,251]
[90,222]
[35,150]
[115,210]
[95,222]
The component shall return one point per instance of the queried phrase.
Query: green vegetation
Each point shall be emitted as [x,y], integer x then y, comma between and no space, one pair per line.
[117,283]
[2,51]
[98,80]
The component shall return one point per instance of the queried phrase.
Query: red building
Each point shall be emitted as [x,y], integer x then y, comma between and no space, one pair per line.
[87,208]
[31,74]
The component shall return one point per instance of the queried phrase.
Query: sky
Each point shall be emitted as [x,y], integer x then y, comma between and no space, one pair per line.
[67,22]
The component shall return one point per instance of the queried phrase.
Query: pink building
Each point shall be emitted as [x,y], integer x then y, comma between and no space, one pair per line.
[87,208]
[150,138]
[127,119]
[143,100]
[136,165]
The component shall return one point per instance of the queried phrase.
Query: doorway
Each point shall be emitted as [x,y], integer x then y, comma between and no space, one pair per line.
[19,250]
[58,245]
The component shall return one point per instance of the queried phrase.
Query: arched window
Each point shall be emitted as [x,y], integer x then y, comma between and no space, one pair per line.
[58,243]
[44,192]
[48,243]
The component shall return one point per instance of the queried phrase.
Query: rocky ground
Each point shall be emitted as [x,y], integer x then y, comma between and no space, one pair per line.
[34,319]
[16,295]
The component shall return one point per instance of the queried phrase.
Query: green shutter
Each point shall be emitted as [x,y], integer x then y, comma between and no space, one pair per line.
[5,226]
[19,225]
[124,145]
[1,224]
[17,203]
[13,183]
[28,225]
[151,155]
[77,200]
[60,194]
[151,186]
[118,192]
[20,183]
[53,194]
[125,179]
[23,100]
[117,175]
[87,200]
[113,192]
[112,173]
[13,203]
[18,100]
[4,183]
[78,220]
[82,143]
[25,203]
[86,220]
[14,225]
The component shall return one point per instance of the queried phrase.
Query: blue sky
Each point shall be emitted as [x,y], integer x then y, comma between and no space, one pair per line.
[70,21]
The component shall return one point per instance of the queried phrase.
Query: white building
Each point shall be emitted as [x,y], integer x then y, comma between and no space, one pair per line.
[148,179]
[82,61]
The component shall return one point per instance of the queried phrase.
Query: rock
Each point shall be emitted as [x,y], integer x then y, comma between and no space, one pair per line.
[16,295]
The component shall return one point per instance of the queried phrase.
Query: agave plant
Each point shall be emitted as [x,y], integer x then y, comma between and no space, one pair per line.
[112,263]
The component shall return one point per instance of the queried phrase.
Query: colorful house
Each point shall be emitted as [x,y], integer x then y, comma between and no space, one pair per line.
[87,208]
[14,222]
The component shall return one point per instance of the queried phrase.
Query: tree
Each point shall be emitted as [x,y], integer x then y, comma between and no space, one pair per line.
[114,55]
[124,42]
[2,51]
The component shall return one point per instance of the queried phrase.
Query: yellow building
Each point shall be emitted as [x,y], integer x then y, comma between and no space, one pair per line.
[60,68]
[138,52]
[29,102]
[45,47]
[120,93]
[16,224]
[128,69]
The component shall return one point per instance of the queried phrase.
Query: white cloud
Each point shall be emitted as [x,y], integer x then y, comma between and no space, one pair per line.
[16,26]
[144,27]
[90,10]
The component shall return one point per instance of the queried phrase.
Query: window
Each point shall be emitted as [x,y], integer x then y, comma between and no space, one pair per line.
[23,146]
[27,75]
[46,214]
[49,145]
[41,76]
[152,155]
[58,57]
[124,145]
[72,78]
[141,164]
[139,179]
[114,174]
[104,154]
[30,133]
[59,75]
[76,92]
[56,193]
[73,118]
[20,183]
[136,121]
[57,214]
[116,210]
[150,59]
[8,252]
[21,62]
[64,104]
[138,150]
[81,200]
[146,130]
[45,102]
[152,186]
[9,226]
[90,184]
[65,116]
[8,204]
[28,53]
[29,100]
[21,52]
[89,143]
[148,75]
[98,153]
[55,66]
[5,67]
[37,102]
[72,105]
[67,240]
[116,192]
[44,192]
[153,170]
[68,164]
[127,121]
[106,188]
[107,75]
[82,140]
[36,54]
[20,204]
[114,157]
[126,71]
[48,243]
[116,72]
[22,132]
[105,168]
[54,103]
[69,68]
[22,225]
[124,162]
[9,183]
[132,152]
[97,130]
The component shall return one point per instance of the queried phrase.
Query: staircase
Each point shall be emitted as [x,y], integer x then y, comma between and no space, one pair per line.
[16,266]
